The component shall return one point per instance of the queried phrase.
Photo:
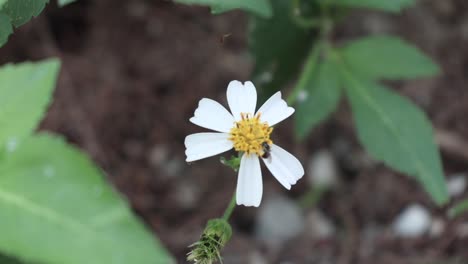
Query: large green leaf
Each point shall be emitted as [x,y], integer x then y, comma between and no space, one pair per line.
[259,7]
[21,11]
[395,131]
[5,28]
[25,93]
[278,47]
[323,94]
[387,57]
[385,5]
[18,12]
[56,208]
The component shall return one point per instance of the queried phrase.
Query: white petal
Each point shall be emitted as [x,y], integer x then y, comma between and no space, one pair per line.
[203,145]
[284,166]
[212,115]
[249,182]
[242,98]
[275,110]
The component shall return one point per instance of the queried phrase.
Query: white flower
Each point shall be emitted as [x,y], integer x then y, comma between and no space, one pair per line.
[246,131]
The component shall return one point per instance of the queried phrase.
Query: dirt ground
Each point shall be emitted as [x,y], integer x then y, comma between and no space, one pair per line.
[132,75]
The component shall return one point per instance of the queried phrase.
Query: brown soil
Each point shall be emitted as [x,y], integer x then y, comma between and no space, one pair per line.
[133,72]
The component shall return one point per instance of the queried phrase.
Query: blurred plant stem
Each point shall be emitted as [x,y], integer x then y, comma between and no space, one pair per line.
[312,197]
[325,25]
[311,64]
[230,208]
[458,209]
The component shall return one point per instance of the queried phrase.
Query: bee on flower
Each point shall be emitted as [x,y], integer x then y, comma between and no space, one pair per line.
[248,132]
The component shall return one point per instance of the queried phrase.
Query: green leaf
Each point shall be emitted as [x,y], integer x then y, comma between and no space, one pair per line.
[259,7]
[25,93]
[396,132]
[65,2]
[458,209]
[387,57]
[5,28]
[16,13]
[9,260]
[384,5]
[56,207]
[278,47]
[323,94]
[21,11]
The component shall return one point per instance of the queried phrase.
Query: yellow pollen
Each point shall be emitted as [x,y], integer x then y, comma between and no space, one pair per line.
[249,133]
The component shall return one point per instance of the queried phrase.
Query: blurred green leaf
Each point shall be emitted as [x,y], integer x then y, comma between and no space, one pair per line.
[56,207]
[387,57]
[5,28]
[16,13]
[384,5]
[396,132]
[458,209]
[25,93]
[259,7]
[322,96]
[9,260]
[65,2]
[278,47]
[21,11]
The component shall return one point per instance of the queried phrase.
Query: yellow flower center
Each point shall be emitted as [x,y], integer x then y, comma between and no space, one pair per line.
[249,133]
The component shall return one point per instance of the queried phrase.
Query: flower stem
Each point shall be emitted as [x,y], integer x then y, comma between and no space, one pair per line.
[230,208]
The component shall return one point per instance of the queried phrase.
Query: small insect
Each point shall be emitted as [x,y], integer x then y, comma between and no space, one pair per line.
[266,151]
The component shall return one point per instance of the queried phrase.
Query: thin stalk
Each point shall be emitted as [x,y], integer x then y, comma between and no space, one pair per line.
[230,208]
[311,62]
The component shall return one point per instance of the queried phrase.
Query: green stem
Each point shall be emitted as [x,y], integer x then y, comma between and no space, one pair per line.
[325,24]
[312,197]
[230,208]
[311,62]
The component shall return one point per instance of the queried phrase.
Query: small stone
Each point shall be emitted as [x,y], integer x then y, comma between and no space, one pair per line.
[456,184]
[437,227]
[187,195]
[369,236]
[318,226]
[137,9]
[414,221]
[158,155]
[174,167]
[322,169]
[462,230]
[256,258]
[279,219]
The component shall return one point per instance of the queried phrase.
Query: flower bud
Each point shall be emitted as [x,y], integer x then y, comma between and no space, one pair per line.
[207,250]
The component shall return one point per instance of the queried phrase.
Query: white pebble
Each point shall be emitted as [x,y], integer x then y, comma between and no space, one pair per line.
[279,219]
[414,221]
[456,184]
[187,195]
[318,226]
[437,227]
[158,155]
[322,169]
